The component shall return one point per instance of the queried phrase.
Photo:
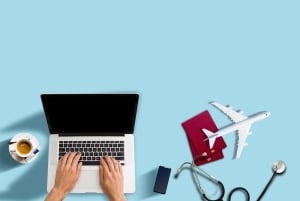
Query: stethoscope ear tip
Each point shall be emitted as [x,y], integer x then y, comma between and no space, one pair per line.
[177,173]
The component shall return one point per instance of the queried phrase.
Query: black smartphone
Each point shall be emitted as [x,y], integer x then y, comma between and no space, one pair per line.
[162,179]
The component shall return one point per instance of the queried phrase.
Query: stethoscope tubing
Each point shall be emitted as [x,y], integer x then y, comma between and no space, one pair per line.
[196,169]
[245,191]
[279,167]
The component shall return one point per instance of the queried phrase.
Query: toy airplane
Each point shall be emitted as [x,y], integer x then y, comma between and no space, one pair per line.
[241,124]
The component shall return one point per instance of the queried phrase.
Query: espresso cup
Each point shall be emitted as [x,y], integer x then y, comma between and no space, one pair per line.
[24,148]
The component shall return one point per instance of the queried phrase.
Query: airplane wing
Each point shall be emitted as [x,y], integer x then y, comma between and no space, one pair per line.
[242,137]
[233,115]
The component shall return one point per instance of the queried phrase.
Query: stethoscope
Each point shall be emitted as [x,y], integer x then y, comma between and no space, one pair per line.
[278,168]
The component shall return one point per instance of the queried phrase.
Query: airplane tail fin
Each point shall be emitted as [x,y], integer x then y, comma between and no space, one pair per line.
[210,137]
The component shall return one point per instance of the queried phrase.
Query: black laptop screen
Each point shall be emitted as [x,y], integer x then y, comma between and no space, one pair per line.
[90,113]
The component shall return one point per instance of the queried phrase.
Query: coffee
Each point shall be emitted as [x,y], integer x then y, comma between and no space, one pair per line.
[24,147]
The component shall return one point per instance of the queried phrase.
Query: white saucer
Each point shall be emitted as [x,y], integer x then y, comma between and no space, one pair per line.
[12,147]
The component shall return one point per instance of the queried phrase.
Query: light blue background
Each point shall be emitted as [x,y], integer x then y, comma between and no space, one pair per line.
[178,55]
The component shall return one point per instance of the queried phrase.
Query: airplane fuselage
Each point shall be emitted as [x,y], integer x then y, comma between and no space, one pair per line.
[235,126]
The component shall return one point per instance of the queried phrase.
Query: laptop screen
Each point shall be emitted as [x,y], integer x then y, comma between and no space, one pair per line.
[90,113]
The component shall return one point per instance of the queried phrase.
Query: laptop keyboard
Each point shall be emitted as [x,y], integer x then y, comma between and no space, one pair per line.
[92,151]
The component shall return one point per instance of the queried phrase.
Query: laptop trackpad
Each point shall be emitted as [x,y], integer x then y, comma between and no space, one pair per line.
[88,182]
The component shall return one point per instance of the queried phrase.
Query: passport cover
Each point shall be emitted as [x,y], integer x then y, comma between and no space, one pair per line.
[201,152]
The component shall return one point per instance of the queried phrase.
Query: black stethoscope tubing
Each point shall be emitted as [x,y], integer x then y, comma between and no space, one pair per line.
[278,167]
[219,183]
[245,191]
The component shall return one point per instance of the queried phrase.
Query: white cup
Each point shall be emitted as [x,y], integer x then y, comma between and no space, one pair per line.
[24,147]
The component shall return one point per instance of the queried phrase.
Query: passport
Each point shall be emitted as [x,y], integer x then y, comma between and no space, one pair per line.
[199,147]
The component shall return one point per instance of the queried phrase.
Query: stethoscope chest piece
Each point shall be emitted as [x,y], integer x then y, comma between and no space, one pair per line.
[279,167]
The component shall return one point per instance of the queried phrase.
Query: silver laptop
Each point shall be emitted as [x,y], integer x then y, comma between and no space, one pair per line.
[95,125]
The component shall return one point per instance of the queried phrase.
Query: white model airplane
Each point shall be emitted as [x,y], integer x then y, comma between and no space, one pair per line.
[241,124]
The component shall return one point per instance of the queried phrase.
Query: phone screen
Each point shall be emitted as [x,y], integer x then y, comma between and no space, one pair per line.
[162,180]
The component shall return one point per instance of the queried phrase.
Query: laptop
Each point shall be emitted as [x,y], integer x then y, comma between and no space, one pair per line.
[95,125]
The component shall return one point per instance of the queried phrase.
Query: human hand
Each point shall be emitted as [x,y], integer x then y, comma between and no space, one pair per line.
[67,174]
[111,178]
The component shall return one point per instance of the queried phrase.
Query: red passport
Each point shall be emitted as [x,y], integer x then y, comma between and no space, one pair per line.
[201,152]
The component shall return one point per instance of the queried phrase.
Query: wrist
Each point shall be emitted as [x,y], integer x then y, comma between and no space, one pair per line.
[57,194]
[120,197]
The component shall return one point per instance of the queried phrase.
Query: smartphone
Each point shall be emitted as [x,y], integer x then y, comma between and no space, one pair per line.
[162,179]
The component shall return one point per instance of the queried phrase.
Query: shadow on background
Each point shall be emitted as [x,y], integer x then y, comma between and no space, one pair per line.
[34,122]
[32,183]
[6,161]
[146,183]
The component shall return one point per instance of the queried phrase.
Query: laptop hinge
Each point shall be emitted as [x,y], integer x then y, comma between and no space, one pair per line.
[92,134]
